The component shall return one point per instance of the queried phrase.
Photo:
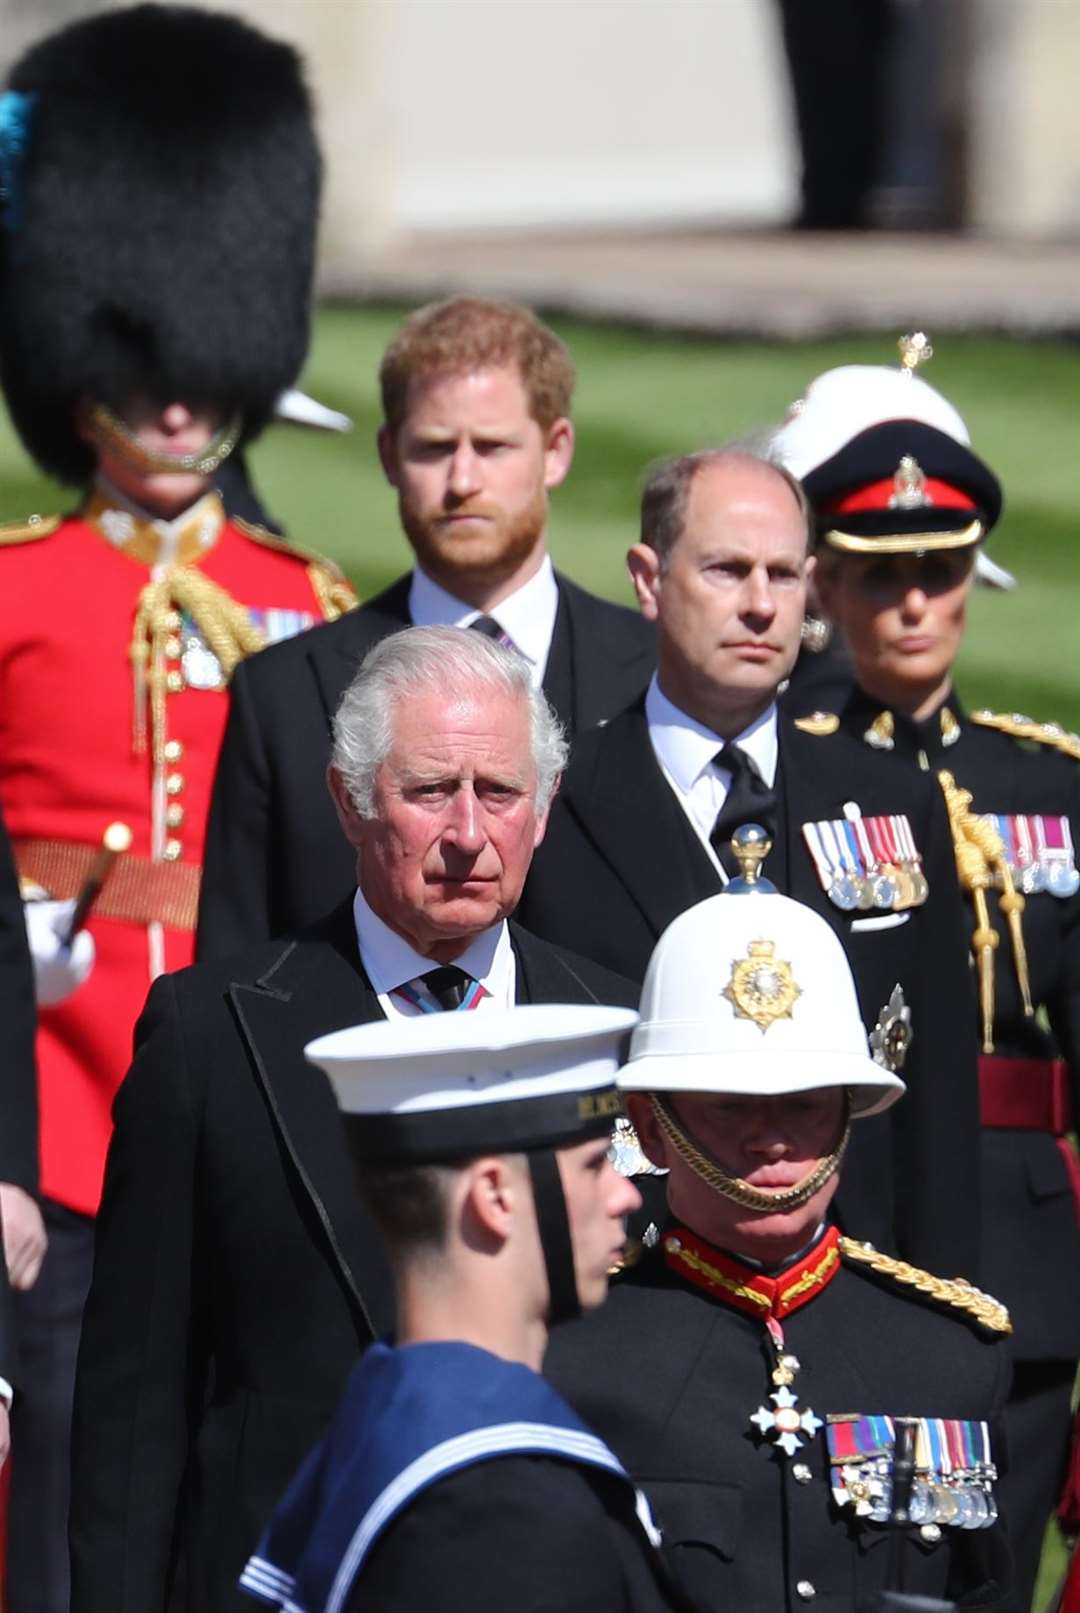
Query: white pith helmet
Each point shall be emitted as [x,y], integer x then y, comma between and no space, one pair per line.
[841,403]
[753,996]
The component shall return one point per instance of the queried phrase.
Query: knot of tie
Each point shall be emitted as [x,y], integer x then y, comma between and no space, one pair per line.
[448,985]
[749,800]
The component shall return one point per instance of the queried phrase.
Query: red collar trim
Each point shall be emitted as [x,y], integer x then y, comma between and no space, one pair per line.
[745,1289]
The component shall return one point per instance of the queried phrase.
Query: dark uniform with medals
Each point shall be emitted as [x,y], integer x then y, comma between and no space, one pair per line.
[1012,787]
[757,1407]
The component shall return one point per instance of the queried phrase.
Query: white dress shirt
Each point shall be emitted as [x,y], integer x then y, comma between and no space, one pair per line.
[527,616]
[686,752]
[389,961]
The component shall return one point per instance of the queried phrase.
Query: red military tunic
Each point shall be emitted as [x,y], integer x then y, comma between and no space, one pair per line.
[112,707]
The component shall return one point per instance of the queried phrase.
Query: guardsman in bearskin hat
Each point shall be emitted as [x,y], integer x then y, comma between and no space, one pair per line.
[453,1471]
[160,181]
[902,506]
[750,1367]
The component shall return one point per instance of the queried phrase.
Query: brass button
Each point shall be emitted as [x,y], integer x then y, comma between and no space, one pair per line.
[173,850]
[174,682]
[931,1533]
[174,815]
[801,1473]
[173,647]
[173,750]
[805,1590]
[174,784]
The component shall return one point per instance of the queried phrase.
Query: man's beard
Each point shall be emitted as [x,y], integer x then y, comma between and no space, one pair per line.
[495,552]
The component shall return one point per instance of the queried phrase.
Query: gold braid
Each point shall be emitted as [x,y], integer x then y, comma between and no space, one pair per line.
[733,1187]
[958,1293]
[224,624]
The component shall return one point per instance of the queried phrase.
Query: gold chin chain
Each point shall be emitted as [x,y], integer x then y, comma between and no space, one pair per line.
[109,431]
[733,1187]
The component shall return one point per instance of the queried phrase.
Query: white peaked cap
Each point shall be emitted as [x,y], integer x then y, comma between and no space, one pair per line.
[841,403]
[499,1079]
[753,996]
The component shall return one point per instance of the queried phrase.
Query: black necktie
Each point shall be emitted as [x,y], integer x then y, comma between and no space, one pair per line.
[448,985]
[489,627]
[749,800]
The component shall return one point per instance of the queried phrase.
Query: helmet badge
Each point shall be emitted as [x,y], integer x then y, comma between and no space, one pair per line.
[762,987]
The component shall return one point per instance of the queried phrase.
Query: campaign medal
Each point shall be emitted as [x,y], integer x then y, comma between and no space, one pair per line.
[1054,839]
[909,856]
[828,848]
[891,1036]
[954,1475]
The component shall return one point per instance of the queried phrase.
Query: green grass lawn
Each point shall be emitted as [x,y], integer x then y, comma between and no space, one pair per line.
[641,395]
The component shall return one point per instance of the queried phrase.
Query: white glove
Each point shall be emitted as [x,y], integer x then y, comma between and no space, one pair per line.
[58,970]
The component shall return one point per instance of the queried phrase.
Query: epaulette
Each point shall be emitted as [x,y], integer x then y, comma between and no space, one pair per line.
[1043,733]
[38,526]
[819,723]
[953,1292]
[332,588]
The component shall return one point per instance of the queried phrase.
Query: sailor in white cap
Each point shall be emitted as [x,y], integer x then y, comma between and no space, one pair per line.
[453,1474]
[747,1368]
[902,507]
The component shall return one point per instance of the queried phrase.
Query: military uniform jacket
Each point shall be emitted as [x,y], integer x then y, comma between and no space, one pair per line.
[274,856]
[669,1377]
[447,1467]
[112,706]
[621,860]
[1031,1233]
[236,1277]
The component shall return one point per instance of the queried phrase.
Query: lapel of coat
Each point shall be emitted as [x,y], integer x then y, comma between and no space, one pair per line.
[628,810]
[316,985]
[542,975]
[335,657]
[560,681]
[595,665]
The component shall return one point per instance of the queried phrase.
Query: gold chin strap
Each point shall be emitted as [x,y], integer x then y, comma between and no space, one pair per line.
[223,623]
[110,432]
[733,1187]
[980,853]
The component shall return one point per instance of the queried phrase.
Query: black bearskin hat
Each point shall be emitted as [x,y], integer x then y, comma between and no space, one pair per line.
[159,191]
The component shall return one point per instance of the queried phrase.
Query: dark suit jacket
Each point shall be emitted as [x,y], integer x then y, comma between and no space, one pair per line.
[236,1277]
[275,858]
[621,860]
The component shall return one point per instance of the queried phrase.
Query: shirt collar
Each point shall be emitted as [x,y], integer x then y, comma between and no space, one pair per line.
[686,748]
[527,615]
[389,961]
[149,539]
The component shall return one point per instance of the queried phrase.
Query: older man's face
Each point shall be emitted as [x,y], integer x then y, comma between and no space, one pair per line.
[455,823]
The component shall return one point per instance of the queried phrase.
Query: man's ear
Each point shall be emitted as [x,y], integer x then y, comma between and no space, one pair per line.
[643,1119]
[558,452]
[542,817]
[388,456]
[643,564]
[490,1198]
[352,824]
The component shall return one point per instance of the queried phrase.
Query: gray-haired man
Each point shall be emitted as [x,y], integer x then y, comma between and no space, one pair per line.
[236,1279]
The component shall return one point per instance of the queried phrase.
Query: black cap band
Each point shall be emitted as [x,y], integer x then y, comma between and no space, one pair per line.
[433,1136]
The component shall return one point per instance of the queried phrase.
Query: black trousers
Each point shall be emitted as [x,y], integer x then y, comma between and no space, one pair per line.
[49,1317]
[1037,1426]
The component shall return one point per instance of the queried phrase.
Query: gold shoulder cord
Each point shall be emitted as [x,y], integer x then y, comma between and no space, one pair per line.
[979,853]
[962,1296]
[331,587]
[223,623]
[1018,727]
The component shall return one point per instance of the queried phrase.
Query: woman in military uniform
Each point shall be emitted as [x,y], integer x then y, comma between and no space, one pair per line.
[901,504]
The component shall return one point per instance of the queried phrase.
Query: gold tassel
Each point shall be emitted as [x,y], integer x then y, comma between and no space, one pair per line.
[224,624]
[1012,902]
[974,873]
